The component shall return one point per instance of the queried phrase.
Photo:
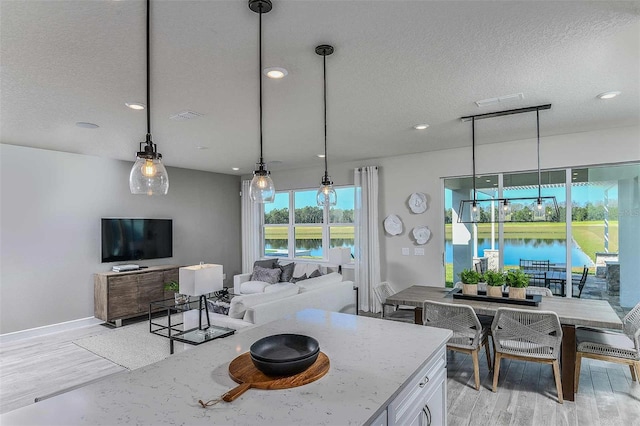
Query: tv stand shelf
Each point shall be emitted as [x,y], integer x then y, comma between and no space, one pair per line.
[122,295]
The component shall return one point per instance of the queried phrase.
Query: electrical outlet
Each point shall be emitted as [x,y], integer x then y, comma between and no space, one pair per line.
[418,251]
[405,251]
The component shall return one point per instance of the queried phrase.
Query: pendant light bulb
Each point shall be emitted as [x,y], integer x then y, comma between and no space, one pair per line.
[148,175]
[326,195]
[475,212]
[262,189]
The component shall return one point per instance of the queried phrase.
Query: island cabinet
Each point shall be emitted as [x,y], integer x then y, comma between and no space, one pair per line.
[121,295]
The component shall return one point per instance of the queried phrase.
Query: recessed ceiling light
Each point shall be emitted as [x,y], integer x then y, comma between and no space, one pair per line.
[135,105]
[488,180]
[420,126]
[609,95]
[86,125]
[202,147]
[235,169]
[575,173]
[275,72]
[320,155]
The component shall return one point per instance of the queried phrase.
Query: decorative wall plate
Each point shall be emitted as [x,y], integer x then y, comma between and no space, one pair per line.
[421,234]
[393,224]
[418,202]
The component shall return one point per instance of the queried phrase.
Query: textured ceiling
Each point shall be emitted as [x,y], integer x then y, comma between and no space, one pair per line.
[396,64]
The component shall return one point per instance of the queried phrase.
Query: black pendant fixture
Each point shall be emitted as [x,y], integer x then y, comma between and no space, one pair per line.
[326,194]
[148,175]
[262,189]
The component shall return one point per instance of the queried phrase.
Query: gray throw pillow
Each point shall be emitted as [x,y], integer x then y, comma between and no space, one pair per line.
[287,272]
[267,263]
[300,278]
[266,275]
[315,273]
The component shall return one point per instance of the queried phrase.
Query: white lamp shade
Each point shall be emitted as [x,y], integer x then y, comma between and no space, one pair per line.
[340,255]
[200,279]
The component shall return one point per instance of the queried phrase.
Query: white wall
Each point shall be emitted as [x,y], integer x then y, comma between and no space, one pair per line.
[51,207]
[402,175]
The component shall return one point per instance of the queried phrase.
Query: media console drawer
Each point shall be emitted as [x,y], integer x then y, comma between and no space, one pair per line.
[121,295]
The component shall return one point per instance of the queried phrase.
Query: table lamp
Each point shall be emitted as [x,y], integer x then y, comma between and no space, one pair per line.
[340,256]
[200,280]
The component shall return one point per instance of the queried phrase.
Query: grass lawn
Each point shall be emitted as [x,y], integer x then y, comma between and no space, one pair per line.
[308,232]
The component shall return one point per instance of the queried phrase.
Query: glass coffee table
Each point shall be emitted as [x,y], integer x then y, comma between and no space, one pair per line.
[173,330]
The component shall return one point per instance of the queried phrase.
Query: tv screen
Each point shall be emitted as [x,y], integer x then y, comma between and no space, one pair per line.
[136,239]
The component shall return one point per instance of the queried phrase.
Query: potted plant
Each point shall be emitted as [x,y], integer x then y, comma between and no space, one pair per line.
[518,282]
[495,281]
[470,279]
[173,286]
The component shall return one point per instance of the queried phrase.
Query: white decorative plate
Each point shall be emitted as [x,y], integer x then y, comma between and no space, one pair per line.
[393,225]
[421,234]
[418,202]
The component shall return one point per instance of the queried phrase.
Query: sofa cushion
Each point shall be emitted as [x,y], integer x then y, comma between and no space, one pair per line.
[315,274]
[269,276]
[296,279]
[252,287]
[266,263]
[304,269]
[279,286]
[239,304]
[312,284]
[287,271]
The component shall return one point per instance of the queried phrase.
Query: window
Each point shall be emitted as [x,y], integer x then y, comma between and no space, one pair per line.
[296,227]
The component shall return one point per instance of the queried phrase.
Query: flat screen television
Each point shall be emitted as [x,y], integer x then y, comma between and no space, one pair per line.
[136,239]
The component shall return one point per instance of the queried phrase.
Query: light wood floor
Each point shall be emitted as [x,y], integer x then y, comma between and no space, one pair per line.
[526,392]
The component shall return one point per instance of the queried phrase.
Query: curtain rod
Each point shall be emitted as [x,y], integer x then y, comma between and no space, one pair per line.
[507,112]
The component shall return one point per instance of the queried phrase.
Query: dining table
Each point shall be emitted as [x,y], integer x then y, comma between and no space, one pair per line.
[571,312]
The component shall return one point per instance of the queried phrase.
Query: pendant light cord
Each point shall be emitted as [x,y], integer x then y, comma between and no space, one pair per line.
[324,70]
[260,74]
[148,78]
[538,133]
[473,155]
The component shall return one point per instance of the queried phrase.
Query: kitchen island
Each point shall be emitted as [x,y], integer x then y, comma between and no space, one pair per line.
[381,372]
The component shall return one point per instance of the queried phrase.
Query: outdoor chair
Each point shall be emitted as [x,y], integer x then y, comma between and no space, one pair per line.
[468,333]
[528,336]
[583,281]
[537,269]
[397,313]
[479,267]
[622,348]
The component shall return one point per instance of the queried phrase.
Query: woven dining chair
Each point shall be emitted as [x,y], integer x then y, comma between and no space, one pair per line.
[468,333]
[528,336]
[542,291]
[622,348]
[397,313]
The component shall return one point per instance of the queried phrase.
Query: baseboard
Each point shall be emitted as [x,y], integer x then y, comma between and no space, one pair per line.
[48,329]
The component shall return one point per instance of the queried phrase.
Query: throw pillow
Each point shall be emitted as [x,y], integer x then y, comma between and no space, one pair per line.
[270,276]
[287,271]
[296,279]
[267,263]
[315,273]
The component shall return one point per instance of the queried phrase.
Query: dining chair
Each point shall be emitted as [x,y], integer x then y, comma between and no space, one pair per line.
[399,313]
[528,336]
[468,333]
[542,291]
[622,348]
[582,282]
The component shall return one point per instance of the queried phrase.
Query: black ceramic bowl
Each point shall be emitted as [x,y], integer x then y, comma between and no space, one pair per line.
[284,354]
[284,348]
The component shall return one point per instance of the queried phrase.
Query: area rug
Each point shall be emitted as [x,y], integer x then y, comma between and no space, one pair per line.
[131,346]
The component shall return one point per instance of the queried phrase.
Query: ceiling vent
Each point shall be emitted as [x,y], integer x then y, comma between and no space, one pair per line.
[186,115]
[500,100]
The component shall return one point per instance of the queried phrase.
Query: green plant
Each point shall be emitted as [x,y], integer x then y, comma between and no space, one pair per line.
[469,276]
[172,286]
[517,279]
[494,279]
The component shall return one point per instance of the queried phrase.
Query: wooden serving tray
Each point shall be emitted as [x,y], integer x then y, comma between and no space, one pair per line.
[242,371]
[531,300]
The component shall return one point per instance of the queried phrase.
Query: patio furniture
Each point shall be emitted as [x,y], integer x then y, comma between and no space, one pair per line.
[468,333]
[582,282]
[536,269]
[622,348]
[527,336]
[399,313]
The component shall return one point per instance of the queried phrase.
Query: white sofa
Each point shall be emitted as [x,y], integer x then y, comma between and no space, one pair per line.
[326,292]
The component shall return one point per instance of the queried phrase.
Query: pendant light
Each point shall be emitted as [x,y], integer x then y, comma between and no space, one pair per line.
[262,189]
[475,210]
[148,175]
[326,194]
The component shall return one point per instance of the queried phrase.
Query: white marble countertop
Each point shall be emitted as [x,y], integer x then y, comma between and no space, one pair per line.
[371,359]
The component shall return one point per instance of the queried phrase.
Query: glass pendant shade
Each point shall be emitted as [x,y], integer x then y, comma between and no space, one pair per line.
[262,189]
[148,177]
[327,195]
[475,212]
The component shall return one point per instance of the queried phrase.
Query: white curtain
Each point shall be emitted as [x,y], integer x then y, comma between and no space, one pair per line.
[367,249]
[251,229]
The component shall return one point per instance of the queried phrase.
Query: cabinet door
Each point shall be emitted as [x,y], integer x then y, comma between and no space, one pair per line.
[150,289]
[434,410]
[123,297]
